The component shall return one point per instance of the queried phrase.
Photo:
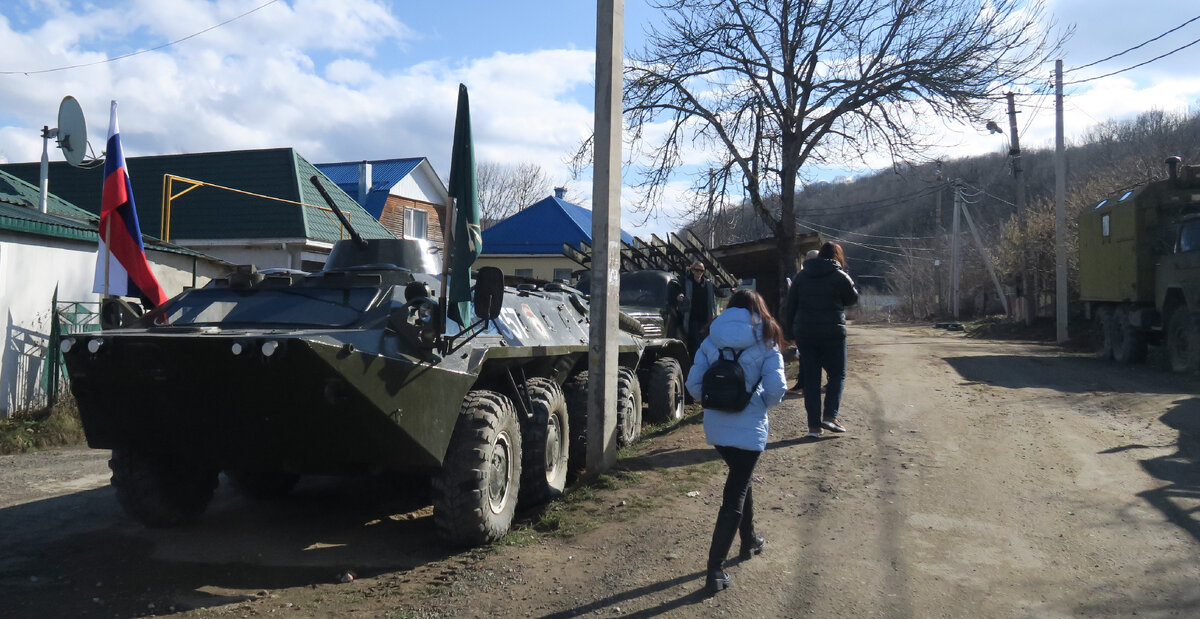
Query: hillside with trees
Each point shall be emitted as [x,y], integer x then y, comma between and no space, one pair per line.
[895,225]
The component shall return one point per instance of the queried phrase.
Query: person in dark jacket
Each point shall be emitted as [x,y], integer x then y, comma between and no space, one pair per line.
[820,293]
[699,304]
[740,437]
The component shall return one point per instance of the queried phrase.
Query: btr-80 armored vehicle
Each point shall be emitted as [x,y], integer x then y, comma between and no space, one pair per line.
[347,370]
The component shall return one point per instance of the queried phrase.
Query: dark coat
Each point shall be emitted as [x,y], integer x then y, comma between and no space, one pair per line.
[818,299]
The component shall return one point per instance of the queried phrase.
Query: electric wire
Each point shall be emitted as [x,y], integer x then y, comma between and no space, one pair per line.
[142,51]
[1143,43]
[1129,68]
[864,234]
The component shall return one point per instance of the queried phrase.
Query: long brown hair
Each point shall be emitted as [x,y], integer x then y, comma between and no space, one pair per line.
[752,301]
[834,251]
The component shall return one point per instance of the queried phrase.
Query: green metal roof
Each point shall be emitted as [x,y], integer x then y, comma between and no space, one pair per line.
[209,212]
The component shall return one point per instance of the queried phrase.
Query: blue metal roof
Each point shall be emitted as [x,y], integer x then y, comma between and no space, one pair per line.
[385,173]
[542,228]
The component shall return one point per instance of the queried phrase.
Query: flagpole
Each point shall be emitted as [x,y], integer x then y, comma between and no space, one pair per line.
[447,254]
[107,249]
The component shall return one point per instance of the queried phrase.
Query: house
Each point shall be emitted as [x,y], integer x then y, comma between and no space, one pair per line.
[52,255]
[405,195]
[529,243]
[246,207]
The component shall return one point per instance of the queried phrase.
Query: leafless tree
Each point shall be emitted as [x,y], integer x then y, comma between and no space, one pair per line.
[505,189]
[766,87]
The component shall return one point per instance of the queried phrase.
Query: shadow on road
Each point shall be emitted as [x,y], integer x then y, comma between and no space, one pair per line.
[1179,501]
[116,567]
[694,597]
[1066,374]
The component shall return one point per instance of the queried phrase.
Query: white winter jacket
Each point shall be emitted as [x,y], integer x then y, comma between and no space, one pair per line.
[738,329]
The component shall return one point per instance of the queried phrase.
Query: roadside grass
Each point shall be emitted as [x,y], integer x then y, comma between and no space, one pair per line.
[43,428]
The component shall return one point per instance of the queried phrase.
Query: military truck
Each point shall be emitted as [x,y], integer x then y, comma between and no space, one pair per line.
[1139,269]
[353,369]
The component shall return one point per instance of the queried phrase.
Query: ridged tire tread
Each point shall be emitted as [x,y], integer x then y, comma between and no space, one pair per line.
[542,480]
[159,491]
[461,510]
[629,407]
[664,392]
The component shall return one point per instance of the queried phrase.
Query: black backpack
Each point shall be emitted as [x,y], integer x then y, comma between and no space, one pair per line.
[723,386]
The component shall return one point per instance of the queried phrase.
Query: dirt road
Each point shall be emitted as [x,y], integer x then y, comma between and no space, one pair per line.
[979,478]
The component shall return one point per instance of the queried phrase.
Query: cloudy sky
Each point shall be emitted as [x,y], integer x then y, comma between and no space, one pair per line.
[368,79]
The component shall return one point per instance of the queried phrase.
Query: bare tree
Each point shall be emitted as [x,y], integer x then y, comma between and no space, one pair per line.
[505,189]
[766,87]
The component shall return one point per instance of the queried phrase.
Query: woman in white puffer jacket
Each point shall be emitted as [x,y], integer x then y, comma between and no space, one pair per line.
[740,437]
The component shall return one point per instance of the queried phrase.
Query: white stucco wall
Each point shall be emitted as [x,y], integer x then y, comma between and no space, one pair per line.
[30,269]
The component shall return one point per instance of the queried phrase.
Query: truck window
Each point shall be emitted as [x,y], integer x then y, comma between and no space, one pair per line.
[1189,237]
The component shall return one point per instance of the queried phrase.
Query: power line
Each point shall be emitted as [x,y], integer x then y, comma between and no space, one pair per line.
[810,225]
[142,51]
[1159,57]
[1143,43]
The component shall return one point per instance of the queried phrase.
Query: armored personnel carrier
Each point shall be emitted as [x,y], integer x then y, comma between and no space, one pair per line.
[353,369]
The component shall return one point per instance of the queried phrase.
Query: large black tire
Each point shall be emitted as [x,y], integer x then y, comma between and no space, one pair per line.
[544,443]
[629,407]
[665,391]
[1102,332]
[475,493]
[1129,344]
[160,491]
[1183,340]
[575,392]
[262,485]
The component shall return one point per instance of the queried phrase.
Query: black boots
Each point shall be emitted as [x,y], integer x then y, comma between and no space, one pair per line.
[751,546]
[716,581]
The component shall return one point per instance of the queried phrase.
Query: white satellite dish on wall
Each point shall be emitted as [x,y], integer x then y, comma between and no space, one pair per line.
[72,131]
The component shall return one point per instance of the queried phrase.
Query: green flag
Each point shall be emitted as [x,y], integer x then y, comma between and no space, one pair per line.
[468,242]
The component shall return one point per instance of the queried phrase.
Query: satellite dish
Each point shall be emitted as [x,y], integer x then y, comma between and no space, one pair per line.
[72,131]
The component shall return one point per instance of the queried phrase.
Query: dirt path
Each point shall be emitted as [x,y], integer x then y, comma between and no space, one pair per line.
[978,478]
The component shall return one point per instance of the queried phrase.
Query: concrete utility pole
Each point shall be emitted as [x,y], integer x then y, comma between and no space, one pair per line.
[955,258]
[1027,302]
[606,235]
[1060,209]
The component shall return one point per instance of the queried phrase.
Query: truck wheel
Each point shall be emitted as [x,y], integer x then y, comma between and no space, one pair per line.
[1183,341]
[160,491]
[262,485]
[1102,332]
[544,444]
[629,407]
[475,493]
[1129,344]
[575,393]
[664,393]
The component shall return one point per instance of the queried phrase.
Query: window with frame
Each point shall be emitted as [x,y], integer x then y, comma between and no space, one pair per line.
[561,275]
[1189,237]
[523,273]
[416,224]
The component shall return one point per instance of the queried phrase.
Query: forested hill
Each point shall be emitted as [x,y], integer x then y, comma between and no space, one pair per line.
[889,221]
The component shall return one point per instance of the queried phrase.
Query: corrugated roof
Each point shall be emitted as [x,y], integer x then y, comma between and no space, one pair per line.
[385,174]
[542,228]
[19,212]
[213,213]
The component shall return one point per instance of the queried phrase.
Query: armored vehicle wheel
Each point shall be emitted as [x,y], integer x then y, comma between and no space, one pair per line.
[1129,344]
[160,491]
[262,485]
[629,407]
[544,444]
[1102,332]
[475,493]
[664,393]
[575,394]
[1183,340]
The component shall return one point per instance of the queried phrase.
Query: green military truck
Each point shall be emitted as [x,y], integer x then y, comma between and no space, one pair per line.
[1139,269]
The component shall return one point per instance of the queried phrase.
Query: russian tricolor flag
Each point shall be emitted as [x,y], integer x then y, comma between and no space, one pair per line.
[121,266]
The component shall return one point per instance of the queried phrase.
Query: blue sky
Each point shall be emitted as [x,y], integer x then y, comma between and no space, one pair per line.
[358,79]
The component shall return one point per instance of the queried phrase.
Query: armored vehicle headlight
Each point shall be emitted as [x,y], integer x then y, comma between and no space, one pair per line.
[65,345]
[269,347]
[94,344]
[237,348]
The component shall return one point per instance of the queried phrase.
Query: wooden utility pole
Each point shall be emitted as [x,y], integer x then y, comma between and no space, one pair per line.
[1027,301]
[1060,209]
[606,237]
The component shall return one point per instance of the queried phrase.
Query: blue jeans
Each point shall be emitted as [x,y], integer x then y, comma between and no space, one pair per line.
[822,353]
